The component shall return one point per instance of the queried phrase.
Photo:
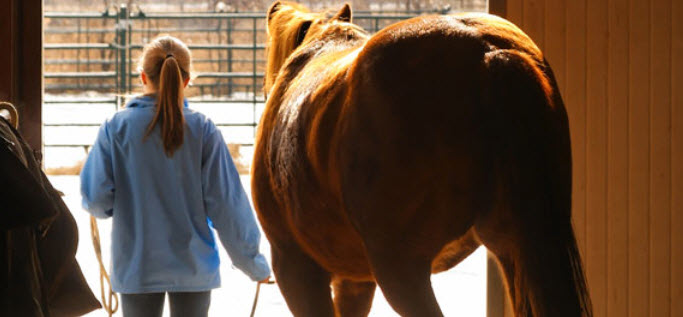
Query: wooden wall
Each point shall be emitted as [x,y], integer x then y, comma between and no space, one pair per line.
[21,64]
[619,64]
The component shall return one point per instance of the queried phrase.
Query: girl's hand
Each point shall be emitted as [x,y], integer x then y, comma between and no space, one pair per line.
[266,280]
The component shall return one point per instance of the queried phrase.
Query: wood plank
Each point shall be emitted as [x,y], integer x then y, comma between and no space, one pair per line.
[676,282]
[596,148]
[575,101]
[617,172]
[514,12]
[498,7]
[556,39]
[496,298]
[639,165]
[7,35]
[534,21]
[29,70]
[660,156]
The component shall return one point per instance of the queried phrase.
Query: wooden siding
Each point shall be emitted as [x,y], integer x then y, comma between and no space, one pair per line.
[21,62]
[619,65]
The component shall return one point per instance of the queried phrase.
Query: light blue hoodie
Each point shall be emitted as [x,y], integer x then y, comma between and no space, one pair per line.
[162,208]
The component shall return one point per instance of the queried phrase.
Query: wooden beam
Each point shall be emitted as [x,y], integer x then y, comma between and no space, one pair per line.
[21,61]
[498,7]
[497,302]
[7,35]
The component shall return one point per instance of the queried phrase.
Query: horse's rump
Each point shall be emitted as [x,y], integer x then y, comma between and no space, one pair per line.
[415,132]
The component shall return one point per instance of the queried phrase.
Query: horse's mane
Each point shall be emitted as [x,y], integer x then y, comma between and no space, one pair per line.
[283,31]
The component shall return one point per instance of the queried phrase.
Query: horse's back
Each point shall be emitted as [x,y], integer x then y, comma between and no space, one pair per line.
[419,90]
[405,151]
[429,73]
[416,133]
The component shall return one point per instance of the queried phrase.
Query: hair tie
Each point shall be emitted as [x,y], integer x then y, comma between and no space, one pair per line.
[169,55]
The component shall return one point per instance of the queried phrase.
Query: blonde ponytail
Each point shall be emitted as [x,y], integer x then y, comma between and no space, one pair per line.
[170,106]
[166,62]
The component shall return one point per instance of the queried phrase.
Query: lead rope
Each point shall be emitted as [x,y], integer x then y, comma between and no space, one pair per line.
[253,307]
[113,298]
[258,290]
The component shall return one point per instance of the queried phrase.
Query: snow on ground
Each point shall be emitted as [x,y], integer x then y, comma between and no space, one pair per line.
[460,291]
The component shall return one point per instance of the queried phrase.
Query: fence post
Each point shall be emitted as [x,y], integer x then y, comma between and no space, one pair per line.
[122,49]
[129,54]
[253,71]
[229,30]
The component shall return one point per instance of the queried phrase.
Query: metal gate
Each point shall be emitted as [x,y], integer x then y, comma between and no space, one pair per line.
[90,62]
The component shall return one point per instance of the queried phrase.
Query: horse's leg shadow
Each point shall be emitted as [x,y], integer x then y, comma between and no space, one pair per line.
[353,299]
[304,284]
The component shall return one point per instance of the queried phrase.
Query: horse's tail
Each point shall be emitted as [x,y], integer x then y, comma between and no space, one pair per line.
[543,269]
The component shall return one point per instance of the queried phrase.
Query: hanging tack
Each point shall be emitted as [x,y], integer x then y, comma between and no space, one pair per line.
[10,113]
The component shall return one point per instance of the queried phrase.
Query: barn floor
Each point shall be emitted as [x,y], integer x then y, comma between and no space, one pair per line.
[460,291]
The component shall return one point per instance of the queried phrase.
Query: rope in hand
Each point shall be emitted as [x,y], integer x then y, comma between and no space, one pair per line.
[112,305]
[113,298]
[258,290]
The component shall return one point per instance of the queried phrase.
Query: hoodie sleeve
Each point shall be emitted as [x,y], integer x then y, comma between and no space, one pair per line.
[228,207]
[97,181]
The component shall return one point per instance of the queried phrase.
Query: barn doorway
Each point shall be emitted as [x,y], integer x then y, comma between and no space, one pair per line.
[90,69]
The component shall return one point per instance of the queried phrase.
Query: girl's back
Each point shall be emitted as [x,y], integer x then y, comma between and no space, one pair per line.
[161,221]
[164,174]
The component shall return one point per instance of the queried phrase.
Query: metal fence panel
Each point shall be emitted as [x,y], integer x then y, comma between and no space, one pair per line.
[229,64]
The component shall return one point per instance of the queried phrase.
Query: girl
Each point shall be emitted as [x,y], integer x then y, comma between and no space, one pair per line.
[164,174]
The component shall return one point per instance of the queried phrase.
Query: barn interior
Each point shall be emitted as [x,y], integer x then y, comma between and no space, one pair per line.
[67,65]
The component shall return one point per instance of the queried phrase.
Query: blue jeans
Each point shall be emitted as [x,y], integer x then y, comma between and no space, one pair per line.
[185,304]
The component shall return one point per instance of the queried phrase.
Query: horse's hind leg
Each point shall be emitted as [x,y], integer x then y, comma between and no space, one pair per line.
[303,283]
[353,299]
[404,279]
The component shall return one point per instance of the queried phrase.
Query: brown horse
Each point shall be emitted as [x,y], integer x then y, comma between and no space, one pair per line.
[383,159]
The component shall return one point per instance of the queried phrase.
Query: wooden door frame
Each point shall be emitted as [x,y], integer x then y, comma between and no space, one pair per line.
[21,83]
[21,64]
[498,7]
